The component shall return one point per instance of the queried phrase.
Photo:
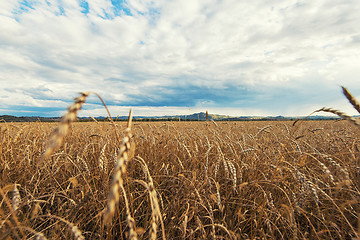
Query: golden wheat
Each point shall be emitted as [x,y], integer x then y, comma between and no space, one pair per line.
[229,180]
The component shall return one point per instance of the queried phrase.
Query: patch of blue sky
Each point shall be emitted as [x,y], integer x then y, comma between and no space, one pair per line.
[61,12]
[84,6]
[105,15]
[154,11]
[120,8]
[24,6]
[33,111]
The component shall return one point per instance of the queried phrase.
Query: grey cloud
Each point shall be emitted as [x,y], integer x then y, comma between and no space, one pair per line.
[40,92]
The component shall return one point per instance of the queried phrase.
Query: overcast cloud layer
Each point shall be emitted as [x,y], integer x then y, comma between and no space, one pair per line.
[231,57]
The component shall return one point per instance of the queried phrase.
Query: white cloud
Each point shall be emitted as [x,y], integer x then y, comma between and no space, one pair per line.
[167,47]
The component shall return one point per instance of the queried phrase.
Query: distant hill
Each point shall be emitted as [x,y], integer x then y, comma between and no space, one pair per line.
[9,118]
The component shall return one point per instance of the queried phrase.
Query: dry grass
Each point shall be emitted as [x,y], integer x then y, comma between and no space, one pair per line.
[187,180]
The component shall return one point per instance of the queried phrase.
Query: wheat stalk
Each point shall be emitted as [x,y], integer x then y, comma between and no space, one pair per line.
[129,219]
[62,130]
[156,213]
[201,227]
[118,182]
[94,119]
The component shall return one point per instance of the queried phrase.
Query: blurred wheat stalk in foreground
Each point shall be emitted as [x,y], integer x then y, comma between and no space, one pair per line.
[341,114]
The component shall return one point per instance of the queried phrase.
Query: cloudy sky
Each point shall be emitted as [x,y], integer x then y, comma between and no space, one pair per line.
[165,57]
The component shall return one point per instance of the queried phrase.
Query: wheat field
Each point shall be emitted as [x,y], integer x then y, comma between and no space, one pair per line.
[181,180]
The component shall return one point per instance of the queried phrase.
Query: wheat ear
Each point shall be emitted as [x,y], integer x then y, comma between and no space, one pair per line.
[103,162]
[16,199]
[351,99]
[73,228]
[343,115]
[60,132]
[155,207]
[13,214]
[119,171]
[340,114]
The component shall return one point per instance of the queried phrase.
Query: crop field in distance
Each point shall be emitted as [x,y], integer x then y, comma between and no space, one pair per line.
[181,180]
